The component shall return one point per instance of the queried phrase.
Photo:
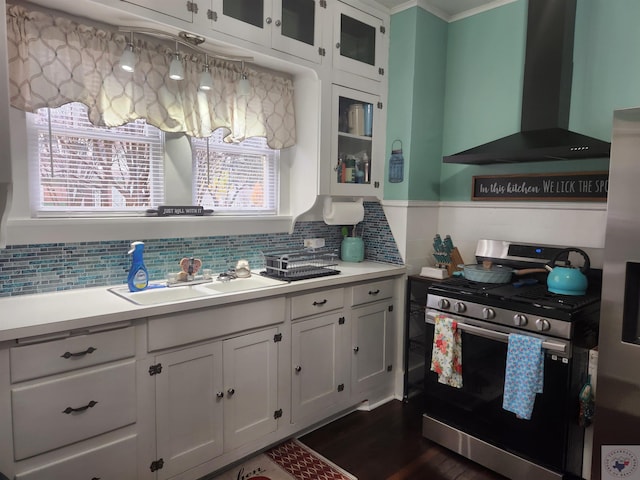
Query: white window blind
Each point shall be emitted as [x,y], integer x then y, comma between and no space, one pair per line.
[79,167]
[240,178]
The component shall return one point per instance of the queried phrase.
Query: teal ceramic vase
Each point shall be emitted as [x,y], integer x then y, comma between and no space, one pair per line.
[352,249]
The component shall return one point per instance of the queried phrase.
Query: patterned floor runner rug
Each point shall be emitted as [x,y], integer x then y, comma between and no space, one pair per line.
[290,460]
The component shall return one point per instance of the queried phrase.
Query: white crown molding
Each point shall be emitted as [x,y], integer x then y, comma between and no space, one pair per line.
[477,10]
[425,5]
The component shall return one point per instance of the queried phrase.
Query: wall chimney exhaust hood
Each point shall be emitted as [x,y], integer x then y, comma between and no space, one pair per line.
[546,97]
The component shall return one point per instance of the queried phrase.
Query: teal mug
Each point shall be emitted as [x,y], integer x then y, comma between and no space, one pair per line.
[352,249]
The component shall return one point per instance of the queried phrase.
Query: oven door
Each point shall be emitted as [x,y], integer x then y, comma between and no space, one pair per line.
[476,408]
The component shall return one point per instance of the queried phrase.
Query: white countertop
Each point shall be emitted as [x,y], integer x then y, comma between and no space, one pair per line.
[45,313]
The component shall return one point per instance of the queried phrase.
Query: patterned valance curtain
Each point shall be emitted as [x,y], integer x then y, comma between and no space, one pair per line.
[55,60]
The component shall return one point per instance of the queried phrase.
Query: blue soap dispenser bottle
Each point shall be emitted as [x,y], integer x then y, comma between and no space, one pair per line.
[138,278]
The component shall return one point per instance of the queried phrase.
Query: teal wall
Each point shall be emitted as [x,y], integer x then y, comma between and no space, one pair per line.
[417,63]
[483,68]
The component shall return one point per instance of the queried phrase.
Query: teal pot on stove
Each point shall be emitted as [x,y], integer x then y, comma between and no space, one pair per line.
[568,280]
[352,249]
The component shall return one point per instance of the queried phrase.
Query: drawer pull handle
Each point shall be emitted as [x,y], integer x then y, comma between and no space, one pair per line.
[374,292]
[78,354]
[70,410]
[319,304]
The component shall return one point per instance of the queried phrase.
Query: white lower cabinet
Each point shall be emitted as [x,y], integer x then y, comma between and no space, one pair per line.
[188,408]
[214,398]
[372,333]
[179,396]
[114,461]
[250,386]
[56,413]
[320,354]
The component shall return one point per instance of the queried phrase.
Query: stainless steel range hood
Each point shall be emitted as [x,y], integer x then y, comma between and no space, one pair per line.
[546,97]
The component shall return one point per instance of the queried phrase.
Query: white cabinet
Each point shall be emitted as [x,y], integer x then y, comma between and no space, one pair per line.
[73,404]
[359,39]
[290,26]
[372,337]
[357,152]
[214,398]
[320,356]
[113,461]
[251,387]
[189,407]
[55,413]
[184,10]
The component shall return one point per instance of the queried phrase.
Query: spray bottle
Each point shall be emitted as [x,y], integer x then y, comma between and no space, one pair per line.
[138,278]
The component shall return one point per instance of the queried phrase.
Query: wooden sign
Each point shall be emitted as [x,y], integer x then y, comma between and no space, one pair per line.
[175,211]
[565,187]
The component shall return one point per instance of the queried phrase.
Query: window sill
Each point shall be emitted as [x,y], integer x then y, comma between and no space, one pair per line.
[29,231]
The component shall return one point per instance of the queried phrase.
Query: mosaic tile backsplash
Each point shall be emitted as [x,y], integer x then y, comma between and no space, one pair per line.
[43,268]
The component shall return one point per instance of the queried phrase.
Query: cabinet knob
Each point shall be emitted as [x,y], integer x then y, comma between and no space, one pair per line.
[338,45]
[219,394]
[231,391]
[268,20]
[356,349]
[298,369]
[278,23]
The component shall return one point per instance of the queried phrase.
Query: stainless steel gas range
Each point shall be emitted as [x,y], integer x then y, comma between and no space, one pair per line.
[471,420]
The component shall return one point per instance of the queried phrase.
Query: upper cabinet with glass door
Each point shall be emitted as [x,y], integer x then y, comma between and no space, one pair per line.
[359,42]
[181,10]
[357,166]
[289,26]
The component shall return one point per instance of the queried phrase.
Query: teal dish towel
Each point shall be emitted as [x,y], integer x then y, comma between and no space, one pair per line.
[524,374]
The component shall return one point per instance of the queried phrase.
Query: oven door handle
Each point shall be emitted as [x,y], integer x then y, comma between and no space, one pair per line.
[502,337]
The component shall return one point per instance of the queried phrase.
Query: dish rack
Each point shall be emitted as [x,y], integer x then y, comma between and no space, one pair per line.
[300,264]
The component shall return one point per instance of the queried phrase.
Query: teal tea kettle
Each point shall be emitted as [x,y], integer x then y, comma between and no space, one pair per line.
[568,280]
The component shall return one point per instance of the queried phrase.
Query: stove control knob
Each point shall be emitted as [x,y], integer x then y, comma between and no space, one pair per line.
[488,313]
[443,303]
[542,324]
[460,307]
[519,320]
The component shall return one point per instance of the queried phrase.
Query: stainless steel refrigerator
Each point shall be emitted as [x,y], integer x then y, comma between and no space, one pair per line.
[616,451]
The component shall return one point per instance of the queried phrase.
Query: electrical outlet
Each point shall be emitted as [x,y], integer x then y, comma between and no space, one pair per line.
[313,242]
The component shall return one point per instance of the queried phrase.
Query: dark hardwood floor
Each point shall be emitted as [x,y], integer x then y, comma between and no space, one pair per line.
[387,444]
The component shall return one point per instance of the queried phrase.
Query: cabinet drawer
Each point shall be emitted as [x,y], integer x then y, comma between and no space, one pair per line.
[51,414]
[114,461]
[370,292]
[317,302]
[57,356]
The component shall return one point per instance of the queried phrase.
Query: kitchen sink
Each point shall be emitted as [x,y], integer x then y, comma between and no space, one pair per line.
[240,284]
[158,295]
[161,294]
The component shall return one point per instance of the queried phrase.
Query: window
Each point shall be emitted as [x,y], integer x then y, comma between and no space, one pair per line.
[237,178]
[82,168]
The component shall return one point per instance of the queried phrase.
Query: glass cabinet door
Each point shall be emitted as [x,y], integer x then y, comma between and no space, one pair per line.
[297,28]
[358,42]
[245,19]
[298,20]
[247,11]
[290,26]
[354,149]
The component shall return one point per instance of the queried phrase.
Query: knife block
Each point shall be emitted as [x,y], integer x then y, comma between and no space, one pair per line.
[456,259]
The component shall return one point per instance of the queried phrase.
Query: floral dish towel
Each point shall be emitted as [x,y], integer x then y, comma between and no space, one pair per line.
[446,358]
